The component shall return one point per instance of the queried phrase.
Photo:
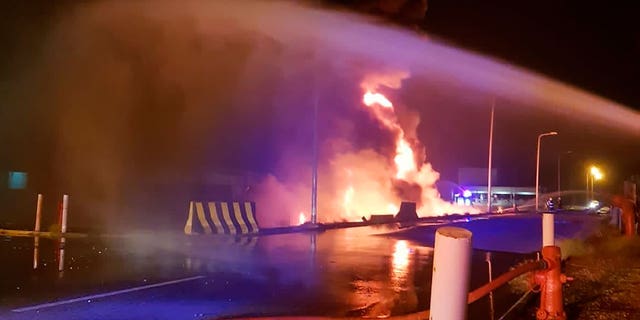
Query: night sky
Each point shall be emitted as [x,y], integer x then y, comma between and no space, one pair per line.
[591,44]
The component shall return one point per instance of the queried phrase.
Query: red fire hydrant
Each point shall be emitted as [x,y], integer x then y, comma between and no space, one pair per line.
[550,281]
[628,216]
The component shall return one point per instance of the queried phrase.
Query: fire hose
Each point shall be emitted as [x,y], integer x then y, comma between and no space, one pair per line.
[478,293]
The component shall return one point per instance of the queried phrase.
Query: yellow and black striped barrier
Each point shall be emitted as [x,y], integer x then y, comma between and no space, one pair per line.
[222,218]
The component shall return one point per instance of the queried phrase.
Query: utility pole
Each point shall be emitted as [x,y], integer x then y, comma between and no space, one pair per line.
[493,105]
[552,133]
[314,174]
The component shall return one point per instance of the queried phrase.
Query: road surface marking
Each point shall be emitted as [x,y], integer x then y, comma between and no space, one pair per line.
[104,295]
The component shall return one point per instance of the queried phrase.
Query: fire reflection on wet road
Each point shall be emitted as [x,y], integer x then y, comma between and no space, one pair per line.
[354,271]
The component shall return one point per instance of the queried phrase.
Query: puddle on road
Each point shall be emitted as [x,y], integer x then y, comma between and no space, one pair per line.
[334,273]
[349,272]
[37,270]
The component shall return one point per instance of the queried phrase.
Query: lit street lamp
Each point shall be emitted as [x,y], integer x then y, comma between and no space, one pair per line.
[552,133]
[595,174]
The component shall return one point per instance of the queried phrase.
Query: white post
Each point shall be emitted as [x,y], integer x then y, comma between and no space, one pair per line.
[451,273]
[36,228]
[36,251]
[61,254]
[65,206]
[548,238]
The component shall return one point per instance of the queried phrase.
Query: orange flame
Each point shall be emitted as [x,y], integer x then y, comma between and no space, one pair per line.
[406,163]
[302,218]
[370,99]
[404,159]
[348,199]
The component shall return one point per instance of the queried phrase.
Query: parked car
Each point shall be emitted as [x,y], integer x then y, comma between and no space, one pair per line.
[604,210]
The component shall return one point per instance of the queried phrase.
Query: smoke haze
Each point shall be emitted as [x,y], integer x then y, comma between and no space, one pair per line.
[138,101]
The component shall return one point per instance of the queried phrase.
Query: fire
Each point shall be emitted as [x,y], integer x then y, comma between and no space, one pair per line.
[348,200]
[302,218]
[408,173]
[370,99]
[404,159]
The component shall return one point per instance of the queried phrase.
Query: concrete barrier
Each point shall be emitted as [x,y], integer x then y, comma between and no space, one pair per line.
[221,218]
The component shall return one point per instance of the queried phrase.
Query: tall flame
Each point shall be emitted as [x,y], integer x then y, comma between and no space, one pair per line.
[404,159]
[371,99]
[302,218]
[407,169]
[348,200]
[361,182]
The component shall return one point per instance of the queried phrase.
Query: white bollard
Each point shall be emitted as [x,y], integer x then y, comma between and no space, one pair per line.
[548,237]
[36,228]
[36,252]
[65,206]
[451,273]
[61,246]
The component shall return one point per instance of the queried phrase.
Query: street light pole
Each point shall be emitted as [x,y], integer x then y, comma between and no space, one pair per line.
[587,192]
[552,133]
[314,173]
[595,174]
[493,105]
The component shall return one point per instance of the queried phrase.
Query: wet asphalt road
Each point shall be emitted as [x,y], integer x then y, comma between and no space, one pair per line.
[373,271]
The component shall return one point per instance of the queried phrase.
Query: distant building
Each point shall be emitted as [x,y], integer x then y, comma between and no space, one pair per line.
[473,191]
